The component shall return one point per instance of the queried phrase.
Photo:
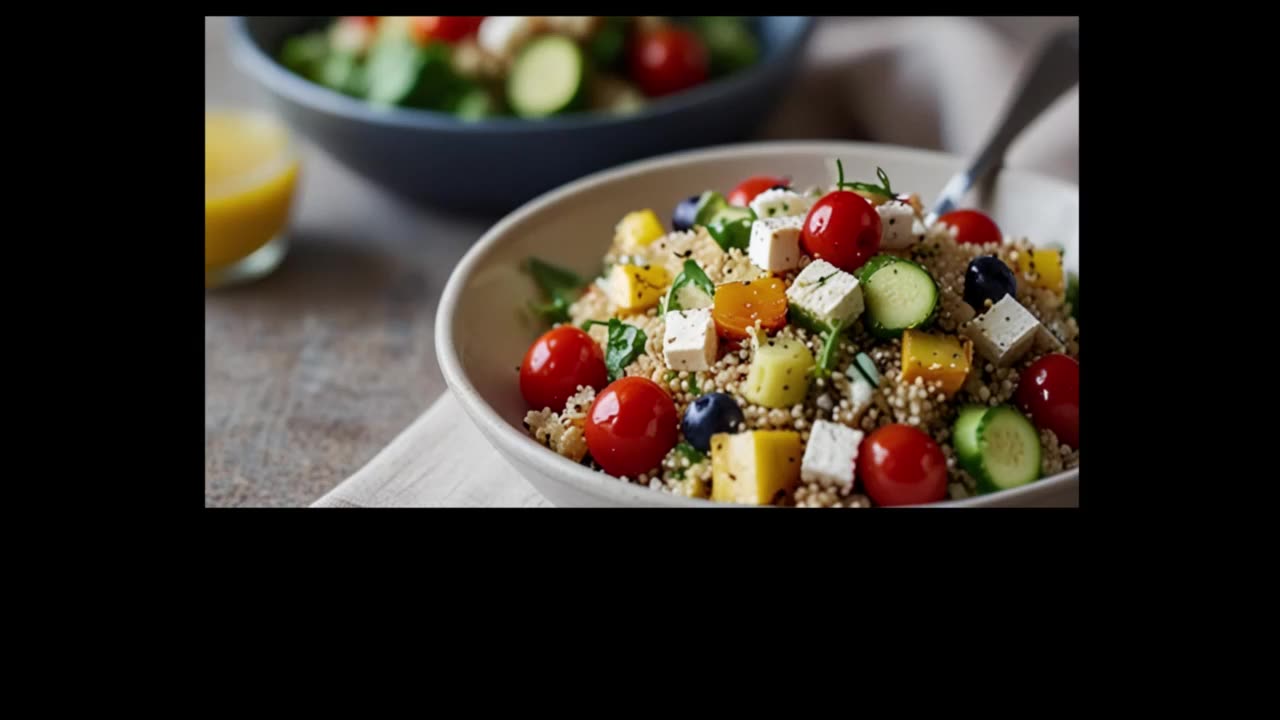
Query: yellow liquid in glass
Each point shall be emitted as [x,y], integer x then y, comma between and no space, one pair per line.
[250,173]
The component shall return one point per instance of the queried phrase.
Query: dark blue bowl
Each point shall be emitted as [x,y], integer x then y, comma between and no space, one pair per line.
[492,166]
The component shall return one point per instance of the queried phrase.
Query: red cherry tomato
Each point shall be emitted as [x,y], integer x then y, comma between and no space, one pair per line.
[557,363]
[973,227]
[748,189]
[1049,391]
[449,28]
[843,229]
[901,465]
[667,60]
[631,426]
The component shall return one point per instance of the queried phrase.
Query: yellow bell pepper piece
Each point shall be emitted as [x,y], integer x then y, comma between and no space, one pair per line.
[935,358]
[755,468]
[1041,268]
[637,287]
[637,229]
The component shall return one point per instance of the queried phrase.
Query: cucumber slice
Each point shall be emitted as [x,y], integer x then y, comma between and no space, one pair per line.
[709,204]
[547,78]
[899,295]
[395,72]
[999,447]
[867,367]
[964,435]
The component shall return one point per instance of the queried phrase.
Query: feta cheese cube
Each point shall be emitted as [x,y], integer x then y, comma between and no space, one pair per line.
[775,243]
[1004,333]
[860,392]
[689,341]
[827,295]
[831,455]
[777,202]
[502,35]
[897,226]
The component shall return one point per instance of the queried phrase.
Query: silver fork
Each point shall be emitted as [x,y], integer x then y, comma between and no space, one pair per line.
[1054,72]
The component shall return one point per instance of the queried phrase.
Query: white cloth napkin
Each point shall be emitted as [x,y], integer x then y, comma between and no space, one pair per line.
[923,82]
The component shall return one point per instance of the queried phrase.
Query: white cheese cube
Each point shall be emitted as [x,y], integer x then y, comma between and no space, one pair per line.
[689,341]
[828,295]
[860,392]
[1004,333]
[775,243]
[897,226]
[831,455]
[502,35]
[777,202]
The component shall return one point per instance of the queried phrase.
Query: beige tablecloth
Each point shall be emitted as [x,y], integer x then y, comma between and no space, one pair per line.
[923,82]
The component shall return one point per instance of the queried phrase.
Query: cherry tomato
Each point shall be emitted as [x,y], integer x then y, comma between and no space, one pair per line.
[449,28]
[748,189]
[667,60]
[632,425]
[843,229]
[738,305]
[901,465]
[1049,391]
[557,363]
[369,21]
[973,227]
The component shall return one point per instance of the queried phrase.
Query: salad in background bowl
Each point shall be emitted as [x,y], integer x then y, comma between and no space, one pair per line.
[435,139]
[529,67]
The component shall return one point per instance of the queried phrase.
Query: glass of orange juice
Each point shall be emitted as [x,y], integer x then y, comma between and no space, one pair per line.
[250,177]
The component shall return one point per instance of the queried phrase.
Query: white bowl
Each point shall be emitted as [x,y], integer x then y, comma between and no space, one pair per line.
[483,329]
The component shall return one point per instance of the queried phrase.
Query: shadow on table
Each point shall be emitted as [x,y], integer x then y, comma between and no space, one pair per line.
[322,272]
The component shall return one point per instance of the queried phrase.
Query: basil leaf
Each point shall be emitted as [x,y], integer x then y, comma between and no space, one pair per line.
[690,274]
[561,286]
[625,344]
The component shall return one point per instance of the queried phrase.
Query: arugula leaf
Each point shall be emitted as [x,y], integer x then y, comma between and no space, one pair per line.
[624,345]
[690,274]
[560,285]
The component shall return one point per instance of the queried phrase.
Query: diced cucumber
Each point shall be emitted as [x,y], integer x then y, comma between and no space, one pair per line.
[964,434]
[731,233]
[547,77]
[998,446]
[868,368]
[343,72]
[709,204]
[395,72]
[899,295]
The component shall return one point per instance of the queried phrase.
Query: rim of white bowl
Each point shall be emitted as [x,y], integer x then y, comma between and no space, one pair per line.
[498,432]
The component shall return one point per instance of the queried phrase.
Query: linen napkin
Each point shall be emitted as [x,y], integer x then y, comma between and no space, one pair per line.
[924,82]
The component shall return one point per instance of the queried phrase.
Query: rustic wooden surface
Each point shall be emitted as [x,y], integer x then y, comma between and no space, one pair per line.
[311,371]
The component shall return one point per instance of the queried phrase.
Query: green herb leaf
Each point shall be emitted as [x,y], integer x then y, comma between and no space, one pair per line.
[561,286]
[690,274]
[691,454]
[671,375]
[830,340]
[1073,294]
[882,189]
[624,345]
[693,385]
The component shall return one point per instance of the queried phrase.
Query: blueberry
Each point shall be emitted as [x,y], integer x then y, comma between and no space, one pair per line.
[988,278]
[685,214]
[710,414]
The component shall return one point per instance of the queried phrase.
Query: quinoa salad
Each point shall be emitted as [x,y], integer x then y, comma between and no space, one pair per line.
[810,347]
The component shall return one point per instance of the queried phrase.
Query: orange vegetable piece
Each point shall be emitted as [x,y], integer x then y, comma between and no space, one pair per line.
[936,358]
[738,305]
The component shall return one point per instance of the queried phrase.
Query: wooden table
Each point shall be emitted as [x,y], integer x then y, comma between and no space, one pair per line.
[309,372]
